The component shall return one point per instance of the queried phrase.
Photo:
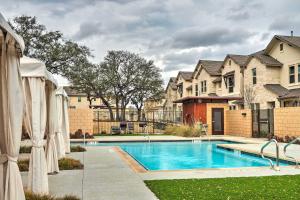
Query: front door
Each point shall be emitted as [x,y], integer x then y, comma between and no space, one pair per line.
[218,121]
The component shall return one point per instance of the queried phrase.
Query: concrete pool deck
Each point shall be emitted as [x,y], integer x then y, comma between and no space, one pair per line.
[106,176]
[109,173]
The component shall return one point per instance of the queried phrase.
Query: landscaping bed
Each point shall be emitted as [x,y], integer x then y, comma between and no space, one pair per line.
[270,187]
[64,164]
[32,196]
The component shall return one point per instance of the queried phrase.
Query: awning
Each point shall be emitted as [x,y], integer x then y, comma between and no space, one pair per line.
[6,27]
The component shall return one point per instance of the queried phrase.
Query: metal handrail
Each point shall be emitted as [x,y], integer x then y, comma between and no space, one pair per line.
[293,158]
[277,154]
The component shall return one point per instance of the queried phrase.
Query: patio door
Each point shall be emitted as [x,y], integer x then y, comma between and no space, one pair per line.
[218,121]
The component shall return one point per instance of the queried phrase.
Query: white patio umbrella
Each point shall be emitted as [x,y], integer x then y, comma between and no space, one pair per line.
[60,142]
[11,112]
[35,75]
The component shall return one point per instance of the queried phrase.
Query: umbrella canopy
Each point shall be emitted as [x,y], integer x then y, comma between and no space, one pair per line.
[18,39]
[11,112]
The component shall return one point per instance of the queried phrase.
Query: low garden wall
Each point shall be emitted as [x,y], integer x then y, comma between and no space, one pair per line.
[81,119]
[238,123]
[287,121]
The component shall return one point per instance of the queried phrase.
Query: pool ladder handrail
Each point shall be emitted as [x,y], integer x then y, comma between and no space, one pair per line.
[277,154]
[293,158]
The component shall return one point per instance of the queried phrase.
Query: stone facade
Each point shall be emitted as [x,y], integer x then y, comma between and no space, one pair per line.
[81,118]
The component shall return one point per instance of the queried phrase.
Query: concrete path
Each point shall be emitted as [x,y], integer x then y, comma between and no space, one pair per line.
[106,176]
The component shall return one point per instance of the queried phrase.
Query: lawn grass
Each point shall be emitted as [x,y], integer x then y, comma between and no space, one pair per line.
[32,196]
[246,188]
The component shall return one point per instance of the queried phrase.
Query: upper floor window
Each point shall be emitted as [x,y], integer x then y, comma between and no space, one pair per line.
[79,99]
[254,76]
[281,46]
[299,73]
[203,87]
[180,90]
[196,90]
[292,74]
[229,62]
[230,83]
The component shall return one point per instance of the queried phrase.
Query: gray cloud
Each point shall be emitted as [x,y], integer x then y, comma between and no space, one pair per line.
[197,37]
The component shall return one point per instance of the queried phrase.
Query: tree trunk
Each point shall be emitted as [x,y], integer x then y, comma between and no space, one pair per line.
[111,114]
[139,110]
[117,109]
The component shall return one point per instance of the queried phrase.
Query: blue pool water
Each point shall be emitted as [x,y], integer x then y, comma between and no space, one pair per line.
[187,155]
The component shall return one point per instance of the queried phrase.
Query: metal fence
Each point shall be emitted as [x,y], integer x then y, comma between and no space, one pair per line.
[156,121]
[262,122]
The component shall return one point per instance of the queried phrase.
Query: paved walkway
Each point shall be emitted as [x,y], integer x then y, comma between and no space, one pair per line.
[106,176]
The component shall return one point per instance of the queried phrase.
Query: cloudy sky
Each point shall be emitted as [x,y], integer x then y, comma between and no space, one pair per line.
[174,33]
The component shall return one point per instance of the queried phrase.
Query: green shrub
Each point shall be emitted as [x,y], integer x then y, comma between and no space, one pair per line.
[183,130]
[69,164]
[32,196]
[77,148]
[64,164]
[25,149]
[23,165]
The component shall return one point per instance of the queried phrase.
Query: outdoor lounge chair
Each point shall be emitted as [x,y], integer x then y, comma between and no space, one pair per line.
[115,130]
[130,127]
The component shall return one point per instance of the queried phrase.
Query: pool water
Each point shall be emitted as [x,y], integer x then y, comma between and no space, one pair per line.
[187,155]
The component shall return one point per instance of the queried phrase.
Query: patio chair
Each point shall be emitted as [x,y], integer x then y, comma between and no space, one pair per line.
[123,127]
[115,130]
[130,127]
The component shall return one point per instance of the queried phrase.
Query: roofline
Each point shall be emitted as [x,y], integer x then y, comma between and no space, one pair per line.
[254,56]
[199,63]
[206,98]
[278,37]
[229,56]
[179,72]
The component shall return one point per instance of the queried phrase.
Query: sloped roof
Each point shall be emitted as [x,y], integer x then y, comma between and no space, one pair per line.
[277,89]
[265,59]
[219,79]
[71,91]
[241,60]
[291,40]
[294,93]
[172,83]
[188,76]
[212,67]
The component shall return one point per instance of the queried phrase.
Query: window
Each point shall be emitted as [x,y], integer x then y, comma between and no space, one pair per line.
[229,62]
[180,90]
[230,83]
[203,86]
[299,73]
[79,99]
[292,74]
[254,76]
[220,84]
[281,46]
[196,90]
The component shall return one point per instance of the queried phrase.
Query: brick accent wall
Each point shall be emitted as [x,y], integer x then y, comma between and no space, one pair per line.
[238,124]
[287,121]
[81,119]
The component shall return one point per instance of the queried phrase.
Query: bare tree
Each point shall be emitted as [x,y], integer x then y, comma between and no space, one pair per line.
[249,96]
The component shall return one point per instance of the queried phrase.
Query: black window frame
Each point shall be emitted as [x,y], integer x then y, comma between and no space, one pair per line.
[196,90]
[292,75]
[254,76]
[299,73]
[78,99]
[281,46]
[230,86]
[203,87]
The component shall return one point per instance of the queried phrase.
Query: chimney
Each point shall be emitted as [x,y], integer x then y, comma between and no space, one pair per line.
[292,33]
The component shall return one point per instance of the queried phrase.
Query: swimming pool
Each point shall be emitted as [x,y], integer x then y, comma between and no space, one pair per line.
[186,155]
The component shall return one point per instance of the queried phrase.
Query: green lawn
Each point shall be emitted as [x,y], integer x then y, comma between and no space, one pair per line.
[267,188]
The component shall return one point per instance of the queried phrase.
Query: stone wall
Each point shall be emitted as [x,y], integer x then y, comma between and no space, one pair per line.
[81,119]
[238,123]
[287,121]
